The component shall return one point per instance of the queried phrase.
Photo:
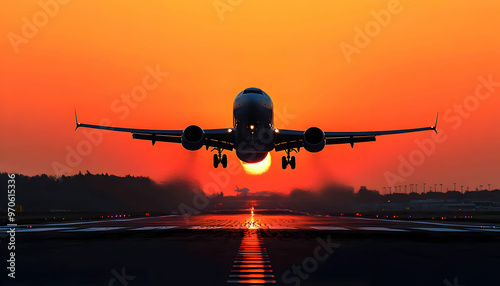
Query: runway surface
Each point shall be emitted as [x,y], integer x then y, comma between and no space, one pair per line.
[258,220]
[254,249]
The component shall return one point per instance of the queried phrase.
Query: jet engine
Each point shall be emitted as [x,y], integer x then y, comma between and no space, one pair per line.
[314,139]
[193,138]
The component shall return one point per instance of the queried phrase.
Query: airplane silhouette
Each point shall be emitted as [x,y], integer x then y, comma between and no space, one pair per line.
[243,191]
[253,134]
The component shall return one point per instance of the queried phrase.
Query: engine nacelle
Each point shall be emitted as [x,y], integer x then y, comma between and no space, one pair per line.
[193,138]
[314,139]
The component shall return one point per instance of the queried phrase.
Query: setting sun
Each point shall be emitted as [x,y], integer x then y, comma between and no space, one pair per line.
[259,167]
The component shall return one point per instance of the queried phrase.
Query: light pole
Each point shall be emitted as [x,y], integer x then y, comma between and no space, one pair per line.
[441,188]
[424,188]
[489,187]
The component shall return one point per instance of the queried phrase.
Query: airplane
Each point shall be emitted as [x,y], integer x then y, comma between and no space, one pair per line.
[253,134]
[243,191]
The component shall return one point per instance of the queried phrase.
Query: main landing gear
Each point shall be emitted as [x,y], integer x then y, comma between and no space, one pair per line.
[287,160]
[220,158]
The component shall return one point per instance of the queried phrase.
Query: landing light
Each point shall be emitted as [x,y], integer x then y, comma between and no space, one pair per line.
[252,127]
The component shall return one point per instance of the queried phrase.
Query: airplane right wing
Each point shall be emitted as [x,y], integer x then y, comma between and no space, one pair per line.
[217,138]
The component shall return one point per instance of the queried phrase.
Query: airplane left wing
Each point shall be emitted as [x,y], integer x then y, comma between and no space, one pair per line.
[287,139]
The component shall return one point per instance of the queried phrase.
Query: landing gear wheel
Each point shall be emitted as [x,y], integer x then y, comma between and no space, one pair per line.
[284,162]
[224,161]
[219,158]
[287,160]
[216,161]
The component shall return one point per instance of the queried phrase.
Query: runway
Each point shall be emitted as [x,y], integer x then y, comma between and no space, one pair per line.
[263,221]
[259,249]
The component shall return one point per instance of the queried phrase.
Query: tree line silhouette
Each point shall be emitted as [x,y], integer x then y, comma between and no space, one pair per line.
[103,192]
[97,192]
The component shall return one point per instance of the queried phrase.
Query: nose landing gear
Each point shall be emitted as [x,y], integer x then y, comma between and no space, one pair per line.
[288,160]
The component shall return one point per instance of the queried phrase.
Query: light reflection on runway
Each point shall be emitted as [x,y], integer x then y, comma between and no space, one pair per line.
[252,259]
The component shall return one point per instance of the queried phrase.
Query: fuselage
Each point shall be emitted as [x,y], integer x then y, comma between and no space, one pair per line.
[253,125]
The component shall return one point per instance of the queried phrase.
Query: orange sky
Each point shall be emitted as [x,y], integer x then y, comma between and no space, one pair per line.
[426,58]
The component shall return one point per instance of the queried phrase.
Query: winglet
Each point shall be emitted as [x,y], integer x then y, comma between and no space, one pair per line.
[76,120]
[436,124]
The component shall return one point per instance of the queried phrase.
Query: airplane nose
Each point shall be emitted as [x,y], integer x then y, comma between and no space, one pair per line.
[254,97]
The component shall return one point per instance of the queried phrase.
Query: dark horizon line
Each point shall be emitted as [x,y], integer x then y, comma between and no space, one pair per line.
[88,173]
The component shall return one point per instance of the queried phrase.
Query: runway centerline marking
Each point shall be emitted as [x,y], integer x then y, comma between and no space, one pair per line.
[252,265]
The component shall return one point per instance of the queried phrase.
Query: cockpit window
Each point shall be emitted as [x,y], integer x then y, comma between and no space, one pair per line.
[252,90]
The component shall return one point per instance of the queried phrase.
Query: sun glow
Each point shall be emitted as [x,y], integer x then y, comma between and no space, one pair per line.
[259,167]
